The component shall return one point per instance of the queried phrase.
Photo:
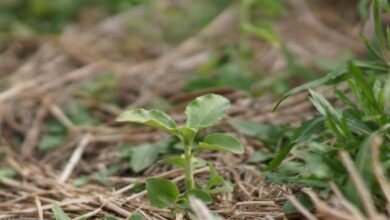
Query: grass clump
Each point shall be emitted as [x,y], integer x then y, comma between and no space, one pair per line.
[356,127]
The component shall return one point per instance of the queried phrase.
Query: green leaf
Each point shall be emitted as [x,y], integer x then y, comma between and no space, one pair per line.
[81,181]
[136,216]
[217,184]
[8,173]
[188,134]
[377,14]
[363,161]
[332,77]
[200,194]
[206,110]
[161,192]
[362,7]
[355,123]
[153,118]
[143,156]
[215,178]
[260,156]
[225,188]
[384,4]
[361,86]
[174,160]
[279,157]
[317,166]
[222,142]
[180,161]
[303,133]
[308,129]
[50,141]
[263,30]
[290,168]
[329,77]
[386,95]
[59,214]
[254,129]
[323,106]
[183,203]
[335,120]
[289,208]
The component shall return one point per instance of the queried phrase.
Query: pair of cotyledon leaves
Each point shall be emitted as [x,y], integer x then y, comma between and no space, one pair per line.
[202,112]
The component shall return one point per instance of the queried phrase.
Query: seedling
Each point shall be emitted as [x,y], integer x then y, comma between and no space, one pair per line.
[202,112]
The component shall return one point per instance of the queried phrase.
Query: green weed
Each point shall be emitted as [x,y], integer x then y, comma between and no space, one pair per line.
[203,112]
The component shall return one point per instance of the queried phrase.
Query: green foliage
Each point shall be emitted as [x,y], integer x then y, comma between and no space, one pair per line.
[21,16]
[334,76]
[153,118]
[363,115]
[289,208]
[200,194]
[221,142]
[202,112]
[217,184]
[162,193]
[136,216]
[102,89]
[56,132]
[143,156]
[59,214]
[269,134]
[259,157]
[180,161]
[8,173]
[349,128]
[229,68]
[50,141]
[195,16]
[205,111]
[261,28]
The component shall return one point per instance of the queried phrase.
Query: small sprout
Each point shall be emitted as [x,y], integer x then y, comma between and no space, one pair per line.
[202,112]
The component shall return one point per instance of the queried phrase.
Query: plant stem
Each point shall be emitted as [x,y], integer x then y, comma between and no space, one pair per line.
[188,169]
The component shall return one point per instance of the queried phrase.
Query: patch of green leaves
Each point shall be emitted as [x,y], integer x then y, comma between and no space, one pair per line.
[333,77]
[228,69]
[363,115]
[19,16]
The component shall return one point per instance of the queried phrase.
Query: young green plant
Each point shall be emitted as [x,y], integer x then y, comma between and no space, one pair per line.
[202,112]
